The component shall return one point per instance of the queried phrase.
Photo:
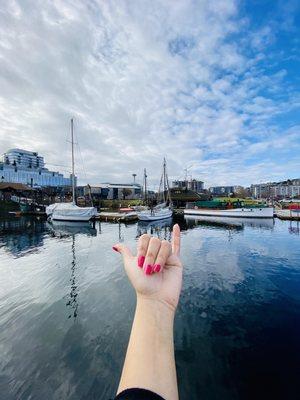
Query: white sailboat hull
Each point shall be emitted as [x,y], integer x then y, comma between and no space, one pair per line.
[155,215]
[70,212]
[265,212]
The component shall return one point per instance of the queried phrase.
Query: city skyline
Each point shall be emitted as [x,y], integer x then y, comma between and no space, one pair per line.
[210,85]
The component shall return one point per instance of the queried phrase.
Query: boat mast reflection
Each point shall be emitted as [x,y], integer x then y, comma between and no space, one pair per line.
[294,229]
[72,303]
[64,229]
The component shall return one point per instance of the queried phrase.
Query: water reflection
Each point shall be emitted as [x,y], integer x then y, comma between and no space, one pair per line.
[64,228]
[72,303]
[294,227]
[22,234]
[66,312]
[230,223]
[162,229]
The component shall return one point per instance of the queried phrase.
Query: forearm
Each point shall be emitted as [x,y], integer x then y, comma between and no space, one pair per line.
[150,362]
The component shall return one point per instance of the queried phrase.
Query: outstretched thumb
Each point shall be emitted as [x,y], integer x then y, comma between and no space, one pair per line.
[123,250]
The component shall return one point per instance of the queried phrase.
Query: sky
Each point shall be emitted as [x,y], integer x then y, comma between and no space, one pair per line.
[211,85]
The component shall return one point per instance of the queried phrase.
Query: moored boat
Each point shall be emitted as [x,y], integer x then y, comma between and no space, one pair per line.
[70,211]
[163,209]
[233,209]
[155,214]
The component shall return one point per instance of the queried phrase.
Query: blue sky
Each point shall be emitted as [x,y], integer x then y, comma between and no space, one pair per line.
[211,85]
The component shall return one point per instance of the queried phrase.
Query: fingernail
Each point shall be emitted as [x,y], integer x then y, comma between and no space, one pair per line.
[148,269]
[157,268]
[141,261]
[115,249]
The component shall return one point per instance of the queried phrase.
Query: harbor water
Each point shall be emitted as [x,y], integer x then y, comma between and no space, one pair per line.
[66,309]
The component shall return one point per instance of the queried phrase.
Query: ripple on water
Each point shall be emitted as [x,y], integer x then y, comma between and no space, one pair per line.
[66,309]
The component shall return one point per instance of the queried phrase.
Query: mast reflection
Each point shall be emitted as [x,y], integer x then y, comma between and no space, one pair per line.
[294,229]
[63,229]
[72,303]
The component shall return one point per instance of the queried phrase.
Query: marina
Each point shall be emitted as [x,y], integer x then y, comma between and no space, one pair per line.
[149,200]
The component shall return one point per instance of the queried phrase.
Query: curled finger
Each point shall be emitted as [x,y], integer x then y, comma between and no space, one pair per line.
[153,249]
[162,256]
[142,248]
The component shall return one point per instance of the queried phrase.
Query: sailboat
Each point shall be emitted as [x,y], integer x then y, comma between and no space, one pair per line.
[70,211]
[162,210]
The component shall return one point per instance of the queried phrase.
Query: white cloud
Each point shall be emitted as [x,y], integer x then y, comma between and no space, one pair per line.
[143,80]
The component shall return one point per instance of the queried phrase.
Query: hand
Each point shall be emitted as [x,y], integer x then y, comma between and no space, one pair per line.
[156,271]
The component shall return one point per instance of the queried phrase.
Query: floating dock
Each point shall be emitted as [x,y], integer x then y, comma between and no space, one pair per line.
[289,215]
[117,217]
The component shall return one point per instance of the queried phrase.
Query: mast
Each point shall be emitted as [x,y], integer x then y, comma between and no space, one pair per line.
[145,185]
[73,172]
[166,183]
[165,167]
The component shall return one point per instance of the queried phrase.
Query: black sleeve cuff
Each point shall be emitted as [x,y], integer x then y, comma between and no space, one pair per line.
[138,394]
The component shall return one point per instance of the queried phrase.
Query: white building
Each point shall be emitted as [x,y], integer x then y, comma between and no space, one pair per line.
[192,184]
[114,191]
[27,167]
[286,191]
[289,189]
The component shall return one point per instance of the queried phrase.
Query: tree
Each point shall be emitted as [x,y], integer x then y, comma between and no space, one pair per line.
[125,193]
[242,193]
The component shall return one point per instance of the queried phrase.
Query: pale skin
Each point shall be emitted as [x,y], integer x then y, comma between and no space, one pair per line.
[150,361]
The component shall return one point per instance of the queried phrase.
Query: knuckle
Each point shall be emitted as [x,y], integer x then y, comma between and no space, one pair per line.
[145,237]
[160,259]
[150,254]
[165,244]
[154,241]
[142,249]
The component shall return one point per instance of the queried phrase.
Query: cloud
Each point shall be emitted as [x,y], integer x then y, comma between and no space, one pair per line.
[143,80]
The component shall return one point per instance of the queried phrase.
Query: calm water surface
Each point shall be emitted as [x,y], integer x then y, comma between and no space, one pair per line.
[66,309]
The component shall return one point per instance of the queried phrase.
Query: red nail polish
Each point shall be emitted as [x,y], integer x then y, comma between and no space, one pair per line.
[115,249]
[141,261]
[148,269]
[157,267]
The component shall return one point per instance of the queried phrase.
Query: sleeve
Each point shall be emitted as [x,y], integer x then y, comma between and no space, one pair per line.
[138,394]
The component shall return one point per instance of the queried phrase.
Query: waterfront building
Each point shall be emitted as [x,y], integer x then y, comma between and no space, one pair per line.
[27,167]
[114,191]
[227,190]
[221,190]
[193,184]
[261,190]
[277,190]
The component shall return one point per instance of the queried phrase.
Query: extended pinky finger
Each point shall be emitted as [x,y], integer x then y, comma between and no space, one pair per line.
[162,256]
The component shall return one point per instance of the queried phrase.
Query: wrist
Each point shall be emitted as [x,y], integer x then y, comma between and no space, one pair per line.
[158,308]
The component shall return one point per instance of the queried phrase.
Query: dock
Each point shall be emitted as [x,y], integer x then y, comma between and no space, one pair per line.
[117,217]
[288,214]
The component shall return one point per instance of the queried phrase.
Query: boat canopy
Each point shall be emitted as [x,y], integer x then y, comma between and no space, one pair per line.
[70,209]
